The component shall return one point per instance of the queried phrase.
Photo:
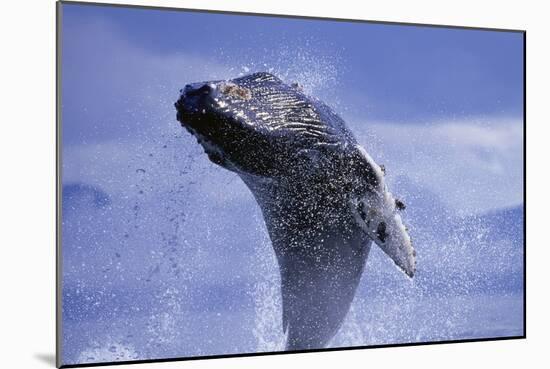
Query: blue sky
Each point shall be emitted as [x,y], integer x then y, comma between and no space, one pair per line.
[122,69]
[440,108]
[399,73]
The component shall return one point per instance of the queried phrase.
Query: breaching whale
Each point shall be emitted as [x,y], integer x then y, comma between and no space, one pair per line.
[324,200]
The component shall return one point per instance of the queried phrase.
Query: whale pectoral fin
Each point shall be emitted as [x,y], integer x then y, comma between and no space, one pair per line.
[378,218]
[318,283]
[397,244]
[376,212]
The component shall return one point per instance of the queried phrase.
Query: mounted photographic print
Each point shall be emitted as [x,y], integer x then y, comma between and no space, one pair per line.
[241,184]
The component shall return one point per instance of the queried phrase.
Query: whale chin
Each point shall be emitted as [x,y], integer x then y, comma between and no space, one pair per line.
[214,154]
[215,158]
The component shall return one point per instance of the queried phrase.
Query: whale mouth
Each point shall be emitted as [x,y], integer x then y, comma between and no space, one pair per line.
[194,100]
[191,109]
[194,108]
[210,148]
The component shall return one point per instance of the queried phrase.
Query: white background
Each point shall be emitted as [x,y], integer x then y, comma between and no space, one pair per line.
[27,192]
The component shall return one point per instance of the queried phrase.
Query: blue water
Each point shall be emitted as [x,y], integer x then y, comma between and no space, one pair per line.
[184,267]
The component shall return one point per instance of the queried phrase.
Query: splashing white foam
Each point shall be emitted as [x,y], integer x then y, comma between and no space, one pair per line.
[350,334]
[267,299]
[267,322]
[110,350]
[298,60]
[164,326]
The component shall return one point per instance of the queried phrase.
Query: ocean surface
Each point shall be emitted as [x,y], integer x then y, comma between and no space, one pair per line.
[178,263]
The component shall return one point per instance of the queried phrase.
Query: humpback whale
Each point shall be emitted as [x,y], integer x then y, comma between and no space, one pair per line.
[323,198]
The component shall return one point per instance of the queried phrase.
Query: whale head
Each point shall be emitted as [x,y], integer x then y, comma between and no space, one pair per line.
[257,124]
